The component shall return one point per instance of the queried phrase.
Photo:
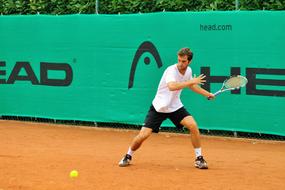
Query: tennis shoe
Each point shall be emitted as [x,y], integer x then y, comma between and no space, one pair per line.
[125,160]
[201,163]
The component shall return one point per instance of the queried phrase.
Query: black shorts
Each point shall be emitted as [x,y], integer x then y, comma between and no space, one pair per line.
[154,119]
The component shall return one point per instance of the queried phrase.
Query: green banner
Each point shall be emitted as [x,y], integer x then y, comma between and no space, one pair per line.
[106,68]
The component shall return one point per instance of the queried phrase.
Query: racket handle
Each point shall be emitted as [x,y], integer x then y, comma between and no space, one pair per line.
[215,94]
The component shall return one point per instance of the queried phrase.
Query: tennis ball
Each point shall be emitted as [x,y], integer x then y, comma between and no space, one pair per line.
[73,174]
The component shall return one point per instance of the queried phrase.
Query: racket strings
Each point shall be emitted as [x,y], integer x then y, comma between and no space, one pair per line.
[236,82]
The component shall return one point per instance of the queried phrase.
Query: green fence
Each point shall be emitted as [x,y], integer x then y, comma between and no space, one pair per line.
[106,68]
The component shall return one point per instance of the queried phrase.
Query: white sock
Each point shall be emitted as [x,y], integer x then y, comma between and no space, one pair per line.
[130,152]
[198,152]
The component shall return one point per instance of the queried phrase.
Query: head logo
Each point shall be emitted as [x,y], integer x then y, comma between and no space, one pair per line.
[43,79]
[144,47]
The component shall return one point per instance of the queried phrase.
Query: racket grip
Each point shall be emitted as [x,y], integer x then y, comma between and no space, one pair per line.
[215,94]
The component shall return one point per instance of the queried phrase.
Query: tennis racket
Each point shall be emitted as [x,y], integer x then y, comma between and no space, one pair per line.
[232,83]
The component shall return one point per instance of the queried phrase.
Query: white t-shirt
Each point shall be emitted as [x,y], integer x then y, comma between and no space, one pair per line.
[167,101]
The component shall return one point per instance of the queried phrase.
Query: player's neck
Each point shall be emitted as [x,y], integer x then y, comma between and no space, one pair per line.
[181,71]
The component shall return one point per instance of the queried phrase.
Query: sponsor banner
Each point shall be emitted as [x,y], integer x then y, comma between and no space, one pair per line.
[106,68]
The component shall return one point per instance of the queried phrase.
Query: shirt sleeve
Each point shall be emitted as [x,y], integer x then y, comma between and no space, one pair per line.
[190,77]
[170,76]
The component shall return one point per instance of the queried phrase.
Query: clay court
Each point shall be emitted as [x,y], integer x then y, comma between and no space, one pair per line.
[40,156]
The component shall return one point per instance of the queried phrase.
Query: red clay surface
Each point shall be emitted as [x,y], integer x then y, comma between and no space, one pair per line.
[36,156]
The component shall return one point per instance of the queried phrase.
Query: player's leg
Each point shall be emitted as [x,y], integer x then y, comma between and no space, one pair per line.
[140,138]
[152,123]
[136,143]
[181,118]
[190,123]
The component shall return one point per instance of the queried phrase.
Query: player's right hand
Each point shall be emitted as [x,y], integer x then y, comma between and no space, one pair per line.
[211,96]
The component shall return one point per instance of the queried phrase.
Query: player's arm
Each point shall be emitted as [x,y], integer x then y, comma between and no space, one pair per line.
[172,86]
[196,88]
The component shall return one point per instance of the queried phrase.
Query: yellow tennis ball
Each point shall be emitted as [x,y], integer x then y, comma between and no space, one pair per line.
[73,174]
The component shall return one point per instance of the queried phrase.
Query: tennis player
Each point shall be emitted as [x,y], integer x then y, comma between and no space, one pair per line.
[167,105]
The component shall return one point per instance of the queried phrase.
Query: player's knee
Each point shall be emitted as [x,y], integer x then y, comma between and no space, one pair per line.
[193,128]
[145,136]
[144,133]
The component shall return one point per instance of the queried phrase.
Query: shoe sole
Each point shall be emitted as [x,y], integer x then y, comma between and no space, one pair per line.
[203,167]
[123,165]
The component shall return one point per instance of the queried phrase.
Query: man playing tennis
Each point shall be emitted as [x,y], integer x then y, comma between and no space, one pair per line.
[167,105]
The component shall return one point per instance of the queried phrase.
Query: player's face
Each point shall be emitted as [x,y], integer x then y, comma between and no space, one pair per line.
[183,62]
